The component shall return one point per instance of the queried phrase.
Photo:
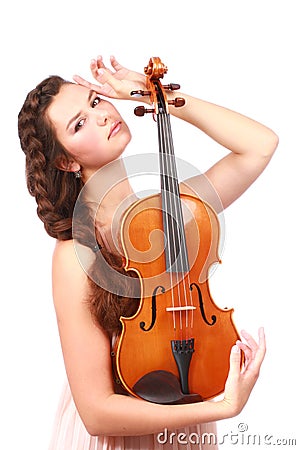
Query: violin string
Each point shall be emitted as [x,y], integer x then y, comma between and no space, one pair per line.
[175,210]
[173,236]
[164,188]
[178,260]
[183,249]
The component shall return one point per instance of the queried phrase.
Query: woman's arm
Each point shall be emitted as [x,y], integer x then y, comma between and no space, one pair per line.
[86,351]
[251,144]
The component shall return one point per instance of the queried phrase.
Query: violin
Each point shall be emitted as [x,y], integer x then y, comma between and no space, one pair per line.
[175,348]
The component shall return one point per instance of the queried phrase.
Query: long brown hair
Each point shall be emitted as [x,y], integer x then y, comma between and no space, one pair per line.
[56,192]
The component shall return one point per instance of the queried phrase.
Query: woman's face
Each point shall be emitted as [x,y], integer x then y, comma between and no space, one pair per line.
[89,128]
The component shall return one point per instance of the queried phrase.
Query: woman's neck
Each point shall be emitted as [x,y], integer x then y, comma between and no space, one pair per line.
[108,186]
[109,194]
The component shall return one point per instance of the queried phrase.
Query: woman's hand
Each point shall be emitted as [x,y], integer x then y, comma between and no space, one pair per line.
[241,379]
[117,83]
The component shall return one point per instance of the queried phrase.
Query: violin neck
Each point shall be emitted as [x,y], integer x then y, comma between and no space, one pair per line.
[173,223]
[168,170]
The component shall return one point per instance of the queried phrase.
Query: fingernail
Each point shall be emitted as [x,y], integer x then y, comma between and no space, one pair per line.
[235,349]
[100,71]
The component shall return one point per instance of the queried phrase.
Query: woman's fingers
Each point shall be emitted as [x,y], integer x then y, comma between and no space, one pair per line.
[116,83]
[113,87]
[254,352]
[262,348]
[235,362]
[109,86]
[256,348]
[100,63]
[249,339]
[241,380]
[115,64]
[94,87]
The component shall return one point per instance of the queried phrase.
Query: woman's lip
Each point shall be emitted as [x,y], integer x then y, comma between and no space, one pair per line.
[114,128]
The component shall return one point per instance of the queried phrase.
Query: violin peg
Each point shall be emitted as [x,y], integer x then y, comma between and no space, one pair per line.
[172,86]
[177,102]
[139,93]
[141,111]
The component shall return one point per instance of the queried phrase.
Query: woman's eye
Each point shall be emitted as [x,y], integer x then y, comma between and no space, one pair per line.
[96,101]
[79,124]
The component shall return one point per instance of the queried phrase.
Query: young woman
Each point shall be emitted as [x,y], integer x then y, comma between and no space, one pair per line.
[68,132]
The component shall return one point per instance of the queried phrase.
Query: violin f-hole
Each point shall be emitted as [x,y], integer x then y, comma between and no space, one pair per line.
[201,306]
[153,309]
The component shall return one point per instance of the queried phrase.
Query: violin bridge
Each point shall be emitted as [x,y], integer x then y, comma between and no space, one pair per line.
[180,308]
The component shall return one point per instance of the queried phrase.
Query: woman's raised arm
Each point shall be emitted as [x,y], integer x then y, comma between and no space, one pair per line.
[251,143]
[251,146]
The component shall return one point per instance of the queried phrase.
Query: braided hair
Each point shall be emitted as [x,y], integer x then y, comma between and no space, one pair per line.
[56,192]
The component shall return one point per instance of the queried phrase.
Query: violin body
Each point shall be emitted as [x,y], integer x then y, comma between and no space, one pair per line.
[173,311]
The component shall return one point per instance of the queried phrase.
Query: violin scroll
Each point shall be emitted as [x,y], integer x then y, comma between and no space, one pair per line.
[154,71]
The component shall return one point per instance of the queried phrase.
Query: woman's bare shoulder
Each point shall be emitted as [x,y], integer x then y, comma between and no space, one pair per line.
[71,287]
[69,280]
[63,251]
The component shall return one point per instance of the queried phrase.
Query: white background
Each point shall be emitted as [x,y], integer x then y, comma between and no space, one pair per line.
[240,54]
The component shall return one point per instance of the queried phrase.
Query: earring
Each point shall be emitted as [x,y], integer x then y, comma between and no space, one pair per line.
[77,174]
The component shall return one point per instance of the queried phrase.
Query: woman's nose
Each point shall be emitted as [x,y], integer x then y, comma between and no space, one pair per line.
[101,118]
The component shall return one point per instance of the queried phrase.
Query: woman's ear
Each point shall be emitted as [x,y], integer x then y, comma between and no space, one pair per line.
[63,163]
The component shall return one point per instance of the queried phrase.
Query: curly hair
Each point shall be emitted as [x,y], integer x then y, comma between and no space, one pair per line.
[56,192]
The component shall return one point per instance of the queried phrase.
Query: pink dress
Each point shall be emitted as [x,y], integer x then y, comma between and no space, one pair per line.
[70,434]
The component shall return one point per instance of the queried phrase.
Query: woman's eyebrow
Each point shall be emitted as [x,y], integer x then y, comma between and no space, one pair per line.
[91,92]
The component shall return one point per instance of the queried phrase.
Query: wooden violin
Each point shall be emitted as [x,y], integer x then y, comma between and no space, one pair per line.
[176,347]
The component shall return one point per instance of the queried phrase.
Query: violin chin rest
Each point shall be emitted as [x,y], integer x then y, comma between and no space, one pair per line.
[163,387]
